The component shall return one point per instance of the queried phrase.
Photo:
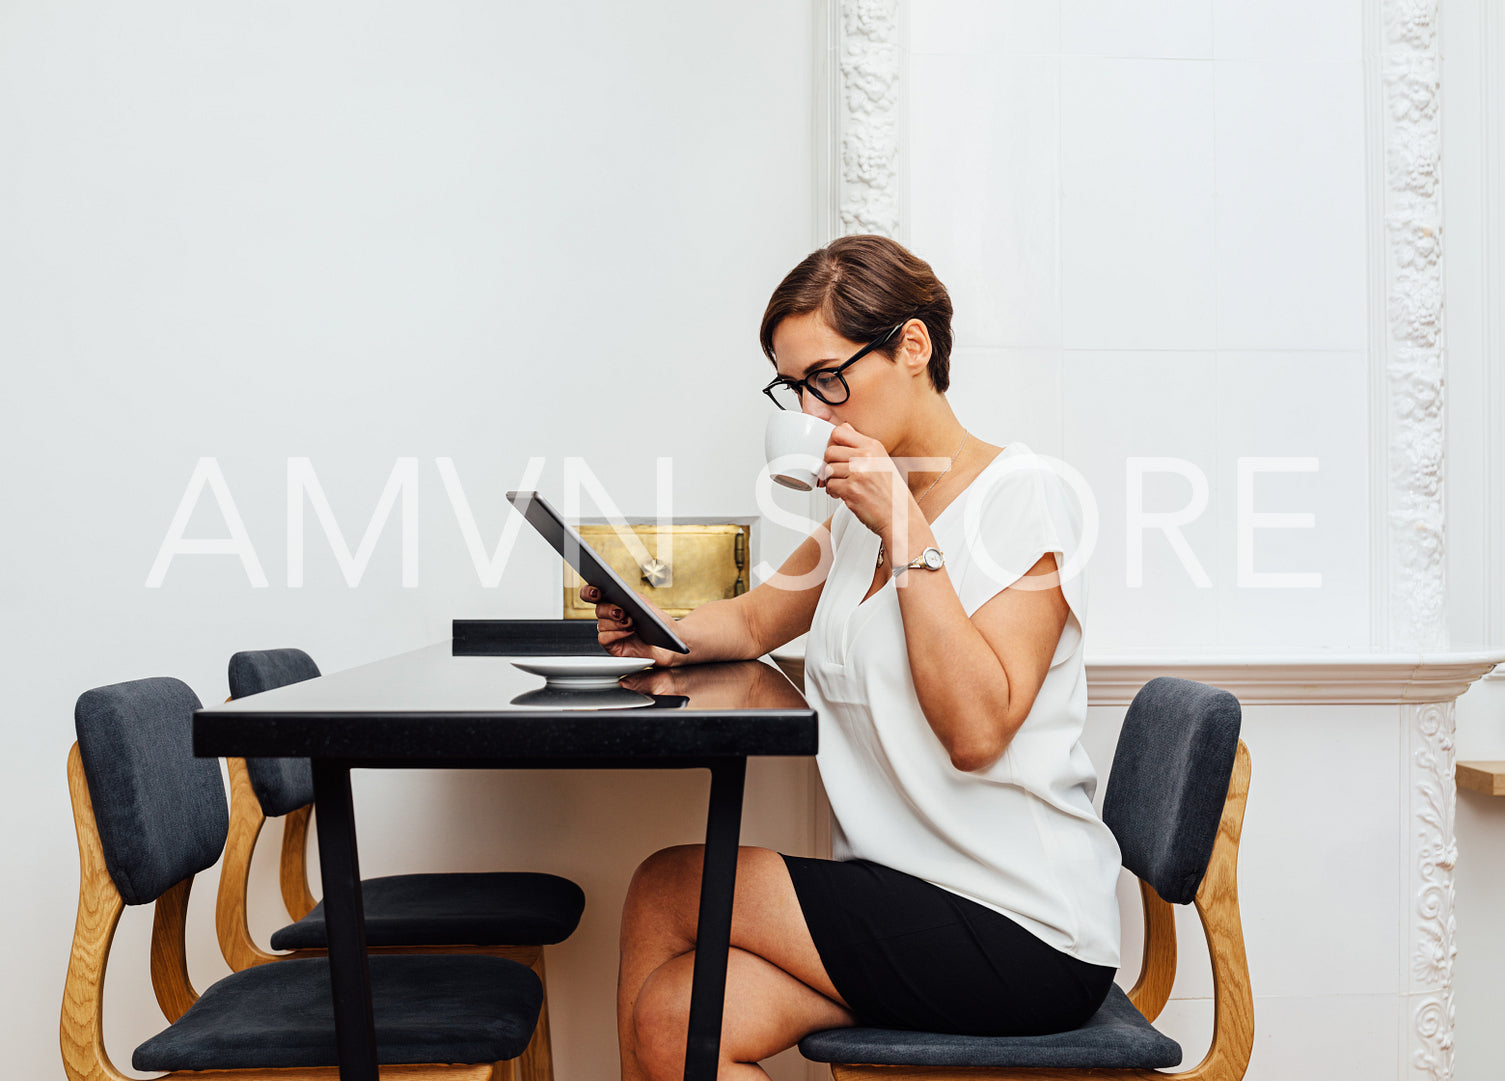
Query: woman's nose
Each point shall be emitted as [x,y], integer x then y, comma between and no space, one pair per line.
[814,407]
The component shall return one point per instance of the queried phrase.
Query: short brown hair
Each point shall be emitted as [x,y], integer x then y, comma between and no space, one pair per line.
[862,286]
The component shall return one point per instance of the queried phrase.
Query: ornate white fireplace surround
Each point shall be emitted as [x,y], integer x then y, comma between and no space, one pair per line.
[1411,669]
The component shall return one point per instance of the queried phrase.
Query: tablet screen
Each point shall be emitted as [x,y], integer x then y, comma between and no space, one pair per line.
[566,540]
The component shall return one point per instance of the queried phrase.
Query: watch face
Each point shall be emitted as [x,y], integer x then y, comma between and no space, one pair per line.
[933,559]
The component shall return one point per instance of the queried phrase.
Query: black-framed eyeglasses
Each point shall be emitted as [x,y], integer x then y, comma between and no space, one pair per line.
[827,384]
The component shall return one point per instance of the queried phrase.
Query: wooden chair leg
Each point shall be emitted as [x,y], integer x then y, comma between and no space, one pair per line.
[536,1063]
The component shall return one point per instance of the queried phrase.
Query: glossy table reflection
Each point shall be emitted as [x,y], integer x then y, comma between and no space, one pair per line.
[461,704]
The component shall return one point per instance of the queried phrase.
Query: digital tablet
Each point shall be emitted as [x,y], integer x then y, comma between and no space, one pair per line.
[566,540]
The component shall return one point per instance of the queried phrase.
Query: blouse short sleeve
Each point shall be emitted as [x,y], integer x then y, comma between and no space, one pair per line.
[1019,509]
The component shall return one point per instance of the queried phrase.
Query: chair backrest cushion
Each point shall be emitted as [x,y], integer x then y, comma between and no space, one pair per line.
[281,784]
[1170,780]
[161,812]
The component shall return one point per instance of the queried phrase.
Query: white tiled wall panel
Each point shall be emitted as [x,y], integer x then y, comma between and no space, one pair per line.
[1318,885]
[1010,395]
[1172,417]
[1332,1037]
[993,29]
[1295,405]
[1150,28]
[1335,1038]
[1137,246]
[1287,29]
[1189,234]
[984,183]
[1290,205]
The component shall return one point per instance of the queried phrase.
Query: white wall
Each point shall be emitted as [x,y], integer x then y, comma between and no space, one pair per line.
[1152,221]
[356,233]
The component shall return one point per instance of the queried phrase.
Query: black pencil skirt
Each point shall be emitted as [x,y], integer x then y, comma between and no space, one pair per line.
[907,954]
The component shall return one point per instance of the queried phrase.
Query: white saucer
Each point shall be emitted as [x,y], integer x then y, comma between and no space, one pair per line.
[579,671]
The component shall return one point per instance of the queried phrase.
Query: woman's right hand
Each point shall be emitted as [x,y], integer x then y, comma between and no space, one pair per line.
[618,636]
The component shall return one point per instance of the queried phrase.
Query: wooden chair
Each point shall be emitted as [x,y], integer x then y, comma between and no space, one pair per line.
[149,817]
[1175,801]
[509,914]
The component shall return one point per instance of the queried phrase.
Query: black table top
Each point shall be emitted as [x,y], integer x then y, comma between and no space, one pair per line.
[452,703]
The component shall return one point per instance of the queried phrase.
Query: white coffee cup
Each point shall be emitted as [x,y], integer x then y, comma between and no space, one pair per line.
[795,446]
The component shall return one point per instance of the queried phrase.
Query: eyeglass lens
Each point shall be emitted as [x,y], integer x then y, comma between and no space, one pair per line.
[785,397]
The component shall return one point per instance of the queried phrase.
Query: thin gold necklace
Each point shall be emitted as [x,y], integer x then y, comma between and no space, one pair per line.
[966,435]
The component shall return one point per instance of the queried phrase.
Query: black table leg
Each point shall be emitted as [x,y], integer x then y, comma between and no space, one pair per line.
[349,974]
[718,882]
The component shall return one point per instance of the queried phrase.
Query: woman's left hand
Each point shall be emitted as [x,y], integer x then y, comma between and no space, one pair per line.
[859,472]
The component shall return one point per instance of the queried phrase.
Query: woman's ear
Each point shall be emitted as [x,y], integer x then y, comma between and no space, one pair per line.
[914,347]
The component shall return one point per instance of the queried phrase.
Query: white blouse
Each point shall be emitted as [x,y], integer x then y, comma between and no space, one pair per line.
[1021,836]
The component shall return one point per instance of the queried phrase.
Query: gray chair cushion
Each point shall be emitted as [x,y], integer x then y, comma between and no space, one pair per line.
[444,1009]
[1170,780]
[517,908]
[161,812]
[282,785]
[1117,1037]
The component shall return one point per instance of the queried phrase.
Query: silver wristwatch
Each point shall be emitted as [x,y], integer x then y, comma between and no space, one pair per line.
[931,559]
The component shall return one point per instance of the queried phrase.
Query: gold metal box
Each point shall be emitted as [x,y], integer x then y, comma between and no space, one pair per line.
[693,562]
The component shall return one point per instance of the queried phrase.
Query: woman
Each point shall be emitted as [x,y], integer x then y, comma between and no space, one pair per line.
[973,889]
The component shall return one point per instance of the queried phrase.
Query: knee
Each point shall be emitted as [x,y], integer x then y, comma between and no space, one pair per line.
[669,864]
[658,887]
[663,876]
[660,1020]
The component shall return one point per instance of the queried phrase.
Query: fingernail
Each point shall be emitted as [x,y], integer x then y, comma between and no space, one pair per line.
[617,613]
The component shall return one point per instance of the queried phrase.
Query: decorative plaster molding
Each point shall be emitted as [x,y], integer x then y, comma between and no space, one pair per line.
[1361,679]
[1263,680]
[1410,72]
[1432,1035]
[868,124]
[1434,853]
[1410,69]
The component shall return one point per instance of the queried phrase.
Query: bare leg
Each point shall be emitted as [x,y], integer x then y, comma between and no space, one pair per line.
[767,1011]
[659,924]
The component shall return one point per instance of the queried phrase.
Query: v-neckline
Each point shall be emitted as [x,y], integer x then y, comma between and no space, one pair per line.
[869,591]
